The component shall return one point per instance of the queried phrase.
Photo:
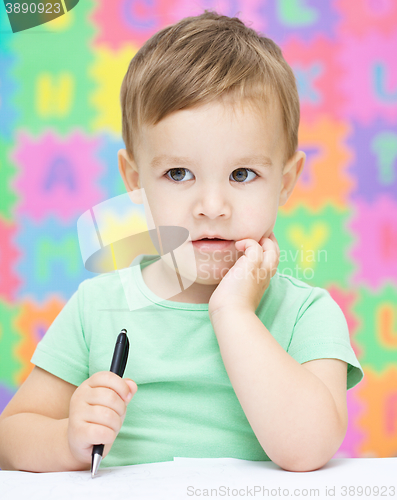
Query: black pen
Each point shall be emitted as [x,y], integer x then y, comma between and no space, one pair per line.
[119,361]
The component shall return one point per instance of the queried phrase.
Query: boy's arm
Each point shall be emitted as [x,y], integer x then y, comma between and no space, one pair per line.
[33,426]
[36,443]
[298,414]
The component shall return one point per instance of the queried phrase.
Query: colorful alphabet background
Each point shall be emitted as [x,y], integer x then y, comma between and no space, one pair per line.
[60,130]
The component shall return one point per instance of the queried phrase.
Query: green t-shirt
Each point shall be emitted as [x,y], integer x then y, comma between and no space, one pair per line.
[185,405]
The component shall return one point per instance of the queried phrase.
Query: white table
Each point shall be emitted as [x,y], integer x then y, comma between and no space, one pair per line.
[184,478]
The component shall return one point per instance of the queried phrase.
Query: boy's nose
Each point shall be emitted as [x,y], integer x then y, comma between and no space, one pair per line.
[212,208]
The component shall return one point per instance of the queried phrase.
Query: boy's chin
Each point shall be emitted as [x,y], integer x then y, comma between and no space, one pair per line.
[212,274]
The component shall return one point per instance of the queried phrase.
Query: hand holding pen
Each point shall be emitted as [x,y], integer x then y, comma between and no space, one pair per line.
[96,413]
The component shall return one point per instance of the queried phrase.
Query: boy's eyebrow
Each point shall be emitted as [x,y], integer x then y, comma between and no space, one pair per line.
[254,160]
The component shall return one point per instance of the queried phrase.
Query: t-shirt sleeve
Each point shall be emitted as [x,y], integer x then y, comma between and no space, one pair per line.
[321,331]
[63,350]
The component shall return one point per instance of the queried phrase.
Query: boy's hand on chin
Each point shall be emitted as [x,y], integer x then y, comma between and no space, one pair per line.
[245,283]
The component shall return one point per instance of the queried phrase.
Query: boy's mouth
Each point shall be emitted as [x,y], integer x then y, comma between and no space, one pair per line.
[211,244]
[211,237]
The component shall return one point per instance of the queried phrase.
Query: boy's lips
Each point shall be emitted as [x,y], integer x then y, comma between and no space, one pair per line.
[210,245]
[211,236]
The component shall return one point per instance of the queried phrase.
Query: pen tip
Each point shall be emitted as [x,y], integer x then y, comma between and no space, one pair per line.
[96,460]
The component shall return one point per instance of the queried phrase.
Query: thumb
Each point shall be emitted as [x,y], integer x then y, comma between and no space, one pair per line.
[132,385]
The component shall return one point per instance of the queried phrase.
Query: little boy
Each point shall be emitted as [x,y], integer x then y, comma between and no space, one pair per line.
[246,362]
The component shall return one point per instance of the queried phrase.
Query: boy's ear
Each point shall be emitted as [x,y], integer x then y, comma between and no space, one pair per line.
[291,172]
[129,173]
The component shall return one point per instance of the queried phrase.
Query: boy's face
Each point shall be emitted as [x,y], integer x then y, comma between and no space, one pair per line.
[207,193]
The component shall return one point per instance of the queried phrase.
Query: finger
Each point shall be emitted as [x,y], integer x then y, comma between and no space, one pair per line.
[100,415]
[262,240]
[107,417]
[108,398]
[111,381]
[132,385]
[97,433]
[274,239]
[271,237]
[252,250]
[270,254]
[270,243]
[270,258]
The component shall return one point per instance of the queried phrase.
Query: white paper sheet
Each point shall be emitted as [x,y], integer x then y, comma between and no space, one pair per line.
[209,478]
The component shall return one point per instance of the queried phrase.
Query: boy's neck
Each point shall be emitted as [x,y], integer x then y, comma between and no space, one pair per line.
[156,279]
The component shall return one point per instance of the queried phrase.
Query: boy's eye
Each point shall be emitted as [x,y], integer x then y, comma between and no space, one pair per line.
[179,173]
[239,175]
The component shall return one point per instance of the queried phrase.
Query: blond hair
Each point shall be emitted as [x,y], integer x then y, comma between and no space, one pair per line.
[200,59]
